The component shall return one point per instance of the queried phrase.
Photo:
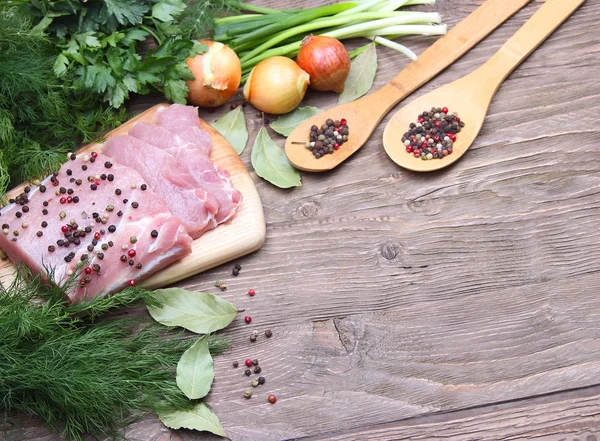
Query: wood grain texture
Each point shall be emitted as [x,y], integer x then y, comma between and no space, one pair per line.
[395,295]
[243,234]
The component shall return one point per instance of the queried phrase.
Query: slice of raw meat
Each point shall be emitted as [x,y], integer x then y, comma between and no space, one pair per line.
[195,207]
[84,218]
[191,157]
[185,122]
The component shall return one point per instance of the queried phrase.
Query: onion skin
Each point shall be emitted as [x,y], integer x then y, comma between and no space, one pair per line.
[276,85]
[217,73]
[327,62]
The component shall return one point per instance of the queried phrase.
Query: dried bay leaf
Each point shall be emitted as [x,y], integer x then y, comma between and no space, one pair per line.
[199,418]
[198,312]
[232,126]
[195,372]
[285,124]
[271,164]
[361,76]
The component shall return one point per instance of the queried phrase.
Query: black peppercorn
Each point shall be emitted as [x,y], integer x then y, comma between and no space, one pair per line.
[123,258]
[235,364]
[51,248]
[110,177]
[261,380]
[75,199]
[93,186]
[112,229]
[25,209]
[118,192]
[144,187]
[84,167]
[44,211]
[135,204]
[248,372]
[107,164]
[39,234]
[154,233]
[268,333]
[42,188]
[257,370]
[255,362]
[131,263]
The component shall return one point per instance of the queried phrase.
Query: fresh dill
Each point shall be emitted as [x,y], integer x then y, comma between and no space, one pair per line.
[82,374]
[42,117]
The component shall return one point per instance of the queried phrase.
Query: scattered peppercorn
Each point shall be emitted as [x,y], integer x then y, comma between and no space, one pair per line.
[247,392]
[272,399]
[257,370]
[133,204]
[154,233]
[235,364]
[143,187]
[254,383]
[255,362]
[261,380]
[248,372]
[268,333]
[433,135]
[248,362]
[248,319]
[251,292]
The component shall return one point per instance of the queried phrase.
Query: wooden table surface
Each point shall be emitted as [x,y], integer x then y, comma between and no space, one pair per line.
[462,304]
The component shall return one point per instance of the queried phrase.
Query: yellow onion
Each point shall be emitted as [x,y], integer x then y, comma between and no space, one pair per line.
[217,73]
[276,85]
[327,62]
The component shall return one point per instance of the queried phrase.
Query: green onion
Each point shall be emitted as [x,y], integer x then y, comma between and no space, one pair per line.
[266,32]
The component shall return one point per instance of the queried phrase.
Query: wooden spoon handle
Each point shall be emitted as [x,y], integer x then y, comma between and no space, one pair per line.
[458,41]
[533,33]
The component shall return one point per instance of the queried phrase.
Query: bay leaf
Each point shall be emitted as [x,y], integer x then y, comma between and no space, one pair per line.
[233,127]
[199,418]
[285,124]
[271,164]
[361,76]
[198,312]
[195,372]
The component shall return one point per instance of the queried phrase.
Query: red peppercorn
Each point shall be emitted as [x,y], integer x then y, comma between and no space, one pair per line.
[452,137]
[436,138]
[97,235]
[336,146]
[437,123]
[131,283]
[457,119]
[94,155]
[444,110]
[69,199]
[248,363]
[131,253]
[64,228]
[272,399]
[97,182]
[88,270]
[417,154]
[409,148]
[248,319]
[421,120]
[343,121]
[63,200]
[251,292]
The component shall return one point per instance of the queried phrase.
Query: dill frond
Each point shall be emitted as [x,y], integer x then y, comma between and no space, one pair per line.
[79,373]
[198,21]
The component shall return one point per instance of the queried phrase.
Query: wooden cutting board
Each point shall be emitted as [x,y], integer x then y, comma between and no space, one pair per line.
[242,235]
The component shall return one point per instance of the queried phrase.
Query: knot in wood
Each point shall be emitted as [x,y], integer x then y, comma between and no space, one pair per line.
[310,209]
[390,250]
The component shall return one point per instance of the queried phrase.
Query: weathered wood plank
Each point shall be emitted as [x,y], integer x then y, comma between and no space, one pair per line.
[571,416]
[394,295]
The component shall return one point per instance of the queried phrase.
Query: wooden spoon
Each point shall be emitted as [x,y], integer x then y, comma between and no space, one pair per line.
[364,115]
[471,95]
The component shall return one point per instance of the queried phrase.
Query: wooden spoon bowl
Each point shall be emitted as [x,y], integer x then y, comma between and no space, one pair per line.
[471,109]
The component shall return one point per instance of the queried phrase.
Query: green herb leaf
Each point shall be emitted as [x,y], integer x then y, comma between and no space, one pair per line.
[199,418]
[270,162]
[60,65]
[176,90]
[285,124]
[361,76]
[167,9]
[198,312]
[195,372]
[232,126]
[126,12]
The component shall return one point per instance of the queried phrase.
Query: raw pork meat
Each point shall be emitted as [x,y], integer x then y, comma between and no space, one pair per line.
[105,218]
[191,157]
[185,122]
[195,207]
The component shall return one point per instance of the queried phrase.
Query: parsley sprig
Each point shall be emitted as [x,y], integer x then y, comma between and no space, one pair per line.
[100,43]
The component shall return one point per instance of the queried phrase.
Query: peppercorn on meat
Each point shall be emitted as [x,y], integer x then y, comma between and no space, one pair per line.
[80,222]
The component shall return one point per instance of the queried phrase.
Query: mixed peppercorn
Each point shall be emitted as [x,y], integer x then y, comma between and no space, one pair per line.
[328,138]
[433,135]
